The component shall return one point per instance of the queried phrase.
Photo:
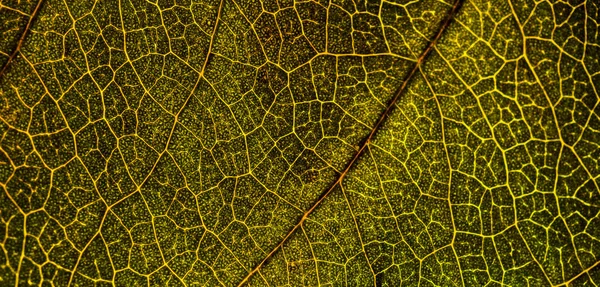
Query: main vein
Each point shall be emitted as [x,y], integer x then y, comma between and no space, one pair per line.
[367,140]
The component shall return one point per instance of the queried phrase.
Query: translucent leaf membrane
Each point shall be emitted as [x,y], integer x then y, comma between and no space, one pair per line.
[299,143]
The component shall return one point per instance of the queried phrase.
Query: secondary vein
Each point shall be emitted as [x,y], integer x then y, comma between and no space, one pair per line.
[13,55]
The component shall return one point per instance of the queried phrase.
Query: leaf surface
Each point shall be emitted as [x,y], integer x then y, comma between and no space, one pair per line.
[299,143]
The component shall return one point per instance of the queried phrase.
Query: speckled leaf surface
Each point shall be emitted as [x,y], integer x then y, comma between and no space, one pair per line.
[299,143]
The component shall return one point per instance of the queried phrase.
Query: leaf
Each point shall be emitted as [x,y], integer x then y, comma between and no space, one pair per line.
[344,143]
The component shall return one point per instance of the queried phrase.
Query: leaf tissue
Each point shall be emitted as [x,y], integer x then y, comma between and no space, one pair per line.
[299,143]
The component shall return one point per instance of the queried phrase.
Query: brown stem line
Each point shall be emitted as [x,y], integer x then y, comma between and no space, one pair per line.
[13,55]
[367,140]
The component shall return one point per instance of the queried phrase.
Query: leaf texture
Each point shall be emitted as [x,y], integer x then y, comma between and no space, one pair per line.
[299,143]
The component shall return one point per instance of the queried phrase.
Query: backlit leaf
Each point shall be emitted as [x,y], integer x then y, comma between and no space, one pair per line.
[299,143]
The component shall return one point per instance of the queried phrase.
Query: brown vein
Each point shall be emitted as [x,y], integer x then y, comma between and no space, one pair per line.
[22,39]
[367,140]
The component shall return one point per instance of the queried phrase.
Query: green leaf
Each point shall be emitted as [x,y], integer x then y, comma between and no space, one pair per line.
[299,143]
